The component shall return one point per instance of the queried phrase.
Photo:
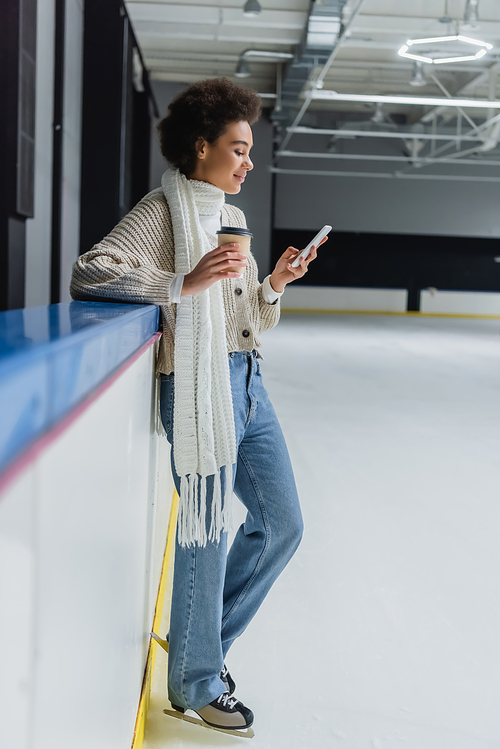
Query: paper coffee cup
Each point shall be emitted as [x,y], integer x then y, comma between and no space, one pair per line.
[227,234]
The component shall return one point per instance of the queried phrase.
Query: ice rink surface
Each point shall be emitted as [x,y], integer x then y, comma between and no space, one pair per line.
[384,630]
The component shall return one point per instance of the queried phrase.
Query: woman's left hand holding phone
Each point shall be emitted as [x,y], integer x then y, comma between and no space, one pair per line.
[284,273]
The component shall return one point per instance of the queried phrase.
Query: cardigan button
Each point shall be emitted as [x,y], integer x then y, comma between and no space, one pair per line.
[246,333]
[238,291]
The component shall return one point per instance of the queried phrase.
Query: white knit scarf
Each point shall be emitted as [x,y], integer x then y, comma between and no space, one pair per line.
[204,436]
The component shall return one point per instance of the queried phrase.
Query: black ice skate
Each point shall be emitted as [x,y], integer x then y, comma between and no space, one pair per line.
[225,714]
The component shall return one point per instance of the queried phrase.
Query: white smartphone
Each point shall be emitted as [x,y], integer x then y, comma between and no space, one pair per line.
[314,242]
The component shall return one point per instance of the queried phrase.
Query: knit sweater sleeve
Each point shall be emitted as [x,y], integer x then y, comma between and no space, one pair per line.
[269,314]
[135,262]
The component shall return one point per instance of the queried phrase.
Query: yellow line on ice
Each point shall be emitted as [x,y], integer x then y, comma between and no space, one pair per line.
[142,711]
[301,311]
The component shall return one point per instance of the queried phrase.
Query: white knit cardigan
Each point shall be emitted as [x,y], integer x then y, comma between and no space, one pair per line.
[135,262]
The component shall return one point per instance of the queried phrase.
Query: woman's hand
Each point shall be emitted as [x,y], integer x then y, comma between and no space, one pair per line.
[214,266]
[284,272]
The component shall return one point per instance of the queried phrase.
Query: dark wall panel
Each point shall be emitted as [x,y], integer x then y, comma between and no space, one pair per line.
[17,141]
[57,150]
[115,124]
[398,261]
[25,198]
[101,119]
[141,152]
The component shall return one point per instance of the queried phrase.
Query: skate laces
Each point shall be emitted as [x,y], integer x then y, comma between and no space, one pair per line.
[226,700]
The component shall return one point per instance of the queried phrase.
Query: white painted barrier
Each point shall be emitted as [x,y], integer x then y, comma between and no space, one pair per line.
[340,298]
[435,301]
[83,525]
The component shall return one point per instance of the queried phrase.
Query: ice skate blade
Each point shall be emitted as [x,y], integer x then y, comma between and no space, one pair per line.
[246,733]
[162,643]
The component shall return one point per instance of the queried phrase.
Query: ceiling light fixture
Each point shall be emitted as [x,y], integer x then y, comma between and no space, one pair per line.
[441,60]
[242,69]
[427,101]
[378,116]
[411,43]
[252,8]
[417,75]
[471,17]
[446,18]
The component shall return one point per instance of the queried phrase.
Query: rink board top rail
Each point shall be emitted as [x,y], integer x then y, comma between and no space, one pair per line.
[53,357]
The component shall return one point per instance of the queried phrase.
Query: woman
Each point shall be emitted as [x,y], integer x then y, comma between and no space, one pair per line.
[216,413]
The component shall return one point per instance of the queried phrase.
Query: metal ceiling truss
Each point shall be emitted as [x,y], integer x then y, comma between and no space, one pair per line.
[332,25]
[383,175]
[479,80]
[486,136]
[414,142]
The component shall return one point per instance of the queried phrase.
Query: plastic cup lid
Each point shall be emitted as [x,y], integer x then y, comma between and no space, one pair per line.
[235,230]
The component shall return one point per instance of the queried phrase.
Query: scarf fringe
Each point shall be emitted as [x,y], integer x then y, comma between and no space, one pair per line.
[192,520]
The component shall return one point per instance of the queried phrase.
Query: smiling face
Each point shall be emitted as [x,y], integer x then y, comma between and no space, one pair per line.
[226,162]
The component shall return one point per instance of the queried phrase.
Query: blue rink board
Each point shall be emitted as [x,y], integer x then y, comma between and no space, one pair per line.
[52,357]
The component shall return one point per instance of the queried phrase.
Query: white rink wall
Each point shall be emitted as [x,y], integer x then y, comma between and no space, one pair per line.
[82,536]
[460,302]
[341,298]
[432,301]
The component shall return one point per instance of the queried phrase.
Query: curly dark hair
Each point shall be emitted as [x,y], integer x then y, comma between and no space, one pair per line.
[204,110]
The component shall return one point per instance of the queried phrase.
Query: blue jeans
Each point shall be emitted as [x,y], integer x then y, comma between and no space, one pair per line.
[215,594]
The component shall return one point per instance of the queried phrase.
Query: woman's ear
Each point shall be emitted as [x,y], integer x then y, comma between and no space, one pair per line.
[201,148]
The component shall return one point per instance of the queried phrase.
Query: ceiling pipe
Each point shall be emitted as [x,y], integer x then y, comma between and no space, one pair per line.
[243,68]
[404,135]
[381,175]
[415,147]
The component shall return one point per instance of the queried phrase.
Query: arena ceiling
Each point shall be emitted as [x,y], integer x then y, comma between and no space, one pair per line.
[192,39]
